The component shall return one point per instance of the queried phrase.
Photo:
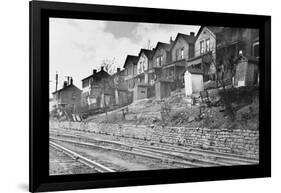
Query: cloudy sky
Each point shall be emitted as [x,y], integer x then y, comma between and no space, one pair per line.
[78,46]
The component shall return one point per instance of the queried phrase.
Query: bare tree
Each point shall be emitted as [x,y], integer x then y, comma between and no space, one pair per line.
[109,65]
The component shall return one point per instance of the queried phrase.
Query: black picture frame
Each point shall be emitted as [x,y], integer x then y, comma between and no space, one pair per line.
[39,92]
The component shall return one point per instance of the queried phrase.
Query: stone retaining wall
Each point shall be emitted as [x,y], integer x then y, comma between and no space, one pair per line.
[243,142]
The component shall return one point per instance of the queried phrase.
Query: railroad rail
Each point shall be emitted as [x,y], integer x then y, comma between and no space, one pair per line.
[90,163]
[207,156]
[163,155]
[134,152]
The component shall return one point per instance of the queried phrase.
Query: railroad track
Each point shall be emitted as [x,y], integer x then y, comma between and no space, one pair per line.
[204,156]
[151,155]
[219,156]
[166,155]
[90,163]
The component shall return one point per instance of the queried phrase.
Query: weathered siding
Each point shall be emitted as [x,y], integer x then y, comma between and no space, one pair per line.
[158,53]
[180,43]
[203,36]
[71,96]
[142,64]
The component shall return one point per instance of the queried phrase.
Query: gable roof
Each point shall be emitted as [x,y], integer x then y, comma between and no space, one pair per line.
[148,53]
[213,29]
[99,75]
[66,88]
[163,45]
[188,38]
[130,58]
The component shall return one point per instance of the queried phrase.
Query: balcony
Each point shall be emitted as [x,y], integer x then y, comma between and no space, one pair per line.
[178,63]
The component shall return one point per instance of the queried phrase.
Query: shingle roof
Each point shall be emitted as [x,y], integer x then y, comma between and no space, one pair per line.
[194,70]
[98,75]
[148,53]
[189,39]
[163,45]
[130,58]
[65,88]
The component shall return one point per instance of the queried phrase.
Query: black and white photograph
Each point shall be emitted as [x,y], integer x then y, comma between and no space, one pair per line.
[134,96]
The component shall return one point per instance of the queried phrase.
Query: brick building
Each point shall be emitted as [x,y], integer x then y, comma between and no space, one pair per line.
[68,97]
[98,90]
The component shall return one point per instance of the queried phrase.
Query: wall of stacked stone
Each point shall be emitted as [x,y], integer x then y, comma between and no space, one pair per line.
[239,141]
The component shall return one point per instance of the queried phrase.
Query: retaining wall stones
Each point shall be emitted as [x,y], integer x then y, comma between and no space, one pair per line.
[243,142]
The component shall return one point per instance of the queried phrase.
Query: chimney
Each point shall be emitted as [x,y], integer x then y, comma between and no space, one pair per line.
[192,33]
[94,71]
[171,39]
[102,68]
[64,84]
[68,78]
[118,69]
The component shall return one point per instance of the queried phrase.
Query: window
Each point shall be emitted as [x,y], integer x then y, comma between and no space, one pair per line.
[182,53]
[202,49]
[208,45]
[177,54]
[159,60]
[74,96]
[85,83]
[256,47]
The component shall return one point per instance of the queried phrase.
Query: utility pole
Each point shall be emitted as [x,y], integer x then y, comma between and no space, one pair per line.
[57,77]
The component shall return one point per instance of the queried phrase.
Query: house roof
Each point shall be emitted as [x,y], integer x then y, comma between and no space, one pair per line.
[213,29]
[66,88]
[119,73]
[188,38]
[130,58]
[163,45]
[98,75]
[250,58]
[148,53]
[199,56]
[194,70]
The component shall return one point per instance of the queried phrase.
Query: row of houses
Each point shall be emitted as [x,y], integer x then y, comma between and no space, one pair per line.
[212,53]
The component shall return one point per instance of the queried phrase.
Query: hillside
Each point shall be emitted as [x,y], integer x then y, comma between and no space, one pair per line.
[234,108]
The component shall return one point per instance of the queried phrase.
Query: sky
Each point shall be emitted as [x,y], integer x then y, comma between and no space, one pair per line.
[78,46]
